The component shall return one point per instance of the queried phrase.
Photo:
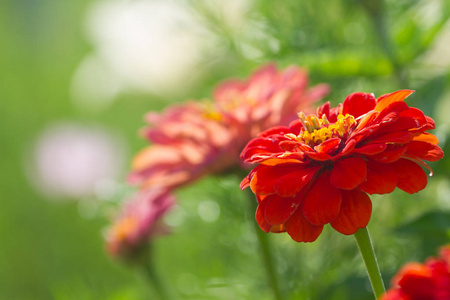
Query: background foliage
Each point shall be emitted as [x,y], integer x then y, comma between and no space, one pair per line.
[51,250]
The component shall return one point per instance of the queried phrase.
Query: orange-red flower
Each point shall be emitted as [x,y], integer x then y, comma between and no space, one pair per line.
[138,221]
[189,140]
[320,169]
[194,139]
[428,281]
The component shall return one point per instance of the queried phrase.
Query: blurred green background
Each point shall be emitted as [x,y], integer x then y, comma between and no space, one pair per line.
[104,64]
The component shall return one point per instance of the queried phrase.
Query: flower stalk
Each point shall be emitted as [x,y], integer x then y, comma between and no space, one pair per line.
[266,252]
[368,255]
[151,276]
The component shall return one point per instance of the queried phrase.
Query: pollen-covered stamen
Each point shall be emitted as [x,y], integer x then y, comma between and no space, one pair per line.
[316,131]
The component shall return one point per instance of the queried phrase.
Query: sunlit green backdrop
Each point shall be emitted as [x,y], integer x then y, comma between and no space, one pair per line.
[49,250]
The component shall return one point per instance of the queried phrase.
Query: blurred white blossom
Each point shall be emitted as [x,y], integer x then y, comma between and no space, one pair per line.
[162,47]
[74,161]
[144,46]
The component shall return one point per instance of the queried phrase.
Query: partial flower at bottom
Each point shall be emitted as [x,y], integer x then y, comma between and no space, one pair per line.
[138,222]
[428,281]
[321,168]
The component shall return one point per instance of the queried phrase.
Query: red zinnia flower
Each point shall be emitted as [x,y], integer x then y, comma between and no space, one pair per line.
[429,281]
[320,169]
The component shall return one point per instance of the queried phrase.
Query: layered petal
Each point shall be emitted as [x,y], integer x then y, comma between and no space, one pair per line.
[264,178]
[322,203]
[411,177]
[355,212]
[348,173]
[358,104]
[279,209]
[424,150]
[260,215]
[385,100]
[426,137]
[290,184]
[392,153]
[381,179]
[300,230]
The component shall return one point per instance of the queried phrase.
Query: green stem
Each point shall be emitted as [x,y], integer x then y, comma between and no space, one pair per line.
[266,253]
[368,255]
[154,280]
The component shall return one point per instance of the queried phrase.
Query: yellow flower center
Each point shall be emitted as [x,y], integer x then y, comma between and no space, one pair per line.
[124,228]
[316,131]
[209,112]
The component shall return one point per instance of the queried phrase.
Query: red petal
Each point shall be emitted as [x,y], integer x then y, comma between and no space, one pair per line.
[415,113]
[296,127]
[322,203]
[318,156]
[400,137]
[279,209]
[245,183]
[381,179]
[425,151]
[358,104]
[262,147]
[371,149]
[290,184]
[355,212]
[385,100]
[289,145]
[349,146]
[300,229]
[401,124]
[264,178]
[259,215]
[366,120]
[334,112]
[430,124]
[329,146]
[276,130]
[348,173]
[411,177]
[280,161]
[393,153]
[416,279]
[391,113]
[426,137]
[323,110]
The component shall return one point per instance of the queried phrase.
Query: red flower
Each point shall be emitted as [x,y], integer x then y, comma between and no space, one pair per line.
[320,169]
[189,140]
[138,222]
[429,281]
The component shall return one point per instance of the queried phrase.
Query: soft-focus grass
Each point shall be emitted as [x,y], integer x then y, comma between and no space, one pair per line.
[48,251]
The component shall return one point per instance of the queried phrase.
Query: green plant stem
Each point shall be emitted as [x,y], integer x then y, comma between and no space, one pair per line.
[265,250]
[368,255]
[153,279]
